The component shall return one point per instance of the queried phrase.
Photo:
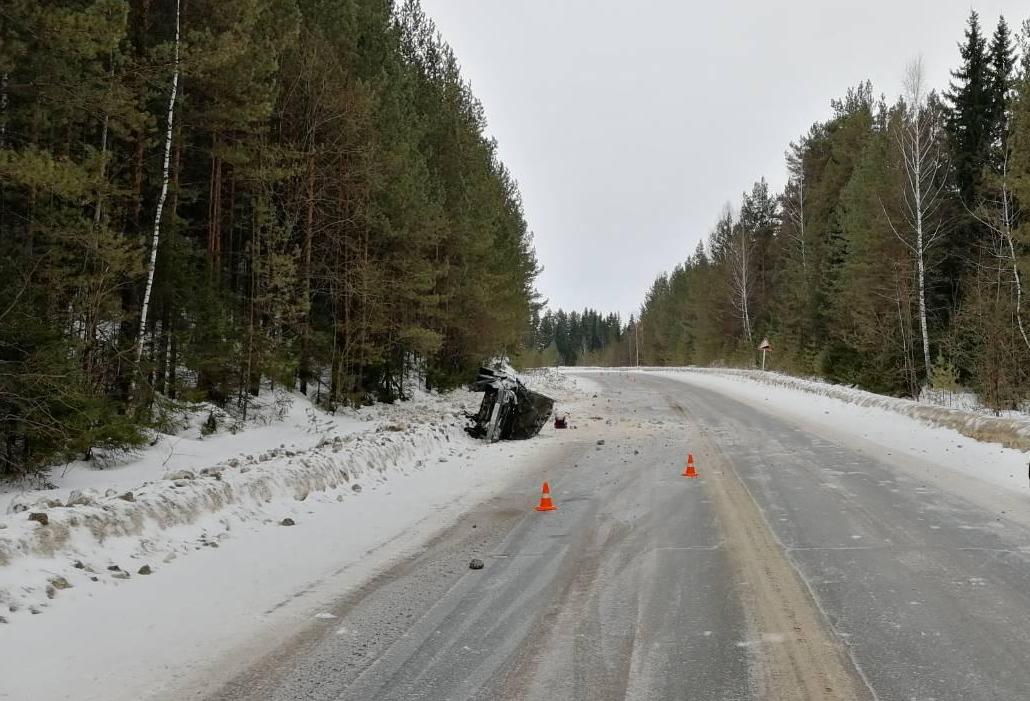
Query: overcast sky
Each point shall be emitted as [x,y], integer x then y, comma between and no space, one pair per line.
[628,124]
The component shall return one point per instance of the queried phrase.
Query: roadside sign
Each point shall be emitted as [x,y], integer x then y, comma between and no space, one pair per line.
[765,347]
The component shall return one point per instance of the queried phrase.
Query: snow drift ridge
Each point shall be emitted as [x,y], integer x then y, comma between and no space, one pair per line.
[236,489]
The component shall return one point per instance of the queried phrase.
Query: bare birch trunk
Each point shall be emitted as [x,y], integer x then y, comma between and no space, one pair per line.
[1008,216]
[745,285]
[155,239]
[921,248]
[923,166]
[739,255]
[309,226]
[796,212]
[801,220]
[915,81]
[1019,292]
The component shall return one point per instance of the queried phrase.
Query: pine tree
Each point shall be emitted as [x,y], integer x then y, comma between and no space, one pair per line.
[62,259]
[333,215]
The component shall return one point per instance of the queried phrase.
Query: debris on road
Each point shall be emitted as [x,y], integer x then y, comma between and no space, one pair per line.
[509,409]
[475,564]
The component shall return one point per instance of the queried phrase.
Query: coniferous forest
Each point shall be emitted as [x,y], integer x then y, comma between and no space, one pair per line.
[201,199]
[897,255]
[576,338]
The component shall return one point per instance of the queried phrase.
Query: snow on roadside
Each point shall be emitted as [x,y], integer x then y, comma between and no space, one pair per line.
[957,443]
[186,494]
[86,536]
[283,420]
[1010,429]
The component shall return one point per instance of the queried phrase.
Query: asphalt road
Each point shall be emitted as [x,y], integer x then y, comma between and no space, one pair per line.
[797,567]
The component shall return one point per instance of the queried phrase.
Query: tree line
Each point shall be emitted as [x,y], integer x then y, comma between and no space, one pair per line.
[200,199]
[576,338]
[894,258]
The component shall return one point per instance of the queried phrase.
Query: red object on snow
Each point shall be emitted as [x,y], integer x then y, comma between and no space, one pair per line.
[560,422]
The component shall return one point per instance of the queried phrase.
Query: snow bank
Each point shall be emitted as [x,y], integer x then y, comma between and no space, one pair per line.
[1010,430]
[189,492]
[53,544]
[280,419]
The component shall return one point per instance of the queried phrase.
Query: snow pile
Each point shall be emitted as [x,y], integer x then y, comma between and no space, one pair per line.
[1011,430]
[191,492]
[67,537]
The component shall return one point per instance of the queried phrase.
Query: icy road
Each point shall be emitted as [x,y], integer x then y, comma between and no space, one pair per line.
[801,565]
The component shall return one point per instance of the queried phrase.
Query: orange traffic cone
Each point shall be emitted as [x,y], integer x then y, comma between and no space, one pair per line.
[545,500]
[691,471]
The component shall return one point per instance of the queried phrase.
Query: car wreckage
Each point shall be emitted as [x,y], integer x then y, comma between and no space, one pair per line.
[509,410]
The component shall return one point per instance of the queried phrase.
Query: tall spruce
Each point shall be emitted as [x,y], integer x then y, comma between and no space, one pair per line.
[973,111]
[1000,79]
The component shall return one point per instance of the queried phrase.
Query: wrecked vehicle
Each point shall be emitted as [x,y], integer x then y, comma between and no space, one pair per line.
[509,409]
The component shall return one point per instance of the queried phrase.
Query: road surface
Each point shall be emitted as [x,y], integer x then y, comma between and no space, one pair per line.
[798,566]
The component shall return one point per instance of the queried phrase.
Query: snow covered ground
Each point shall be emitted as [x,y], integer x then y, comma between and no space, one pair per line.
[146,574]
[82,620]
[952,445]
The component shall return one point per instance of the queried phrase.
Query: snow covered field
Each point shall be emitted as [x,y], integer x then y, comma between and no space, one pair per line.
[147,573]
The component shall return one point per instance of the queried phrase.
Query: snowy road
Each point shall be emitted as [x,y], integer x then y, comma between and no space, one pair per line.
[801,565]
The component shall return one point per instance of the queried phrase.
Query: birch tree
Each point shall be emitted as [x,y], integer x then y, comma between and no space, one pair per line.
[923,169]
[794,198]
[156,236]
[737,247]
[1000,216]
[1015,173]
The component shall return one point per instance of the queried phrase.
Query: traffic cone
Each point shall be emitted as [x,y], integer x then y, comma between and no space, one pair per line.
[545,499]
[691,471]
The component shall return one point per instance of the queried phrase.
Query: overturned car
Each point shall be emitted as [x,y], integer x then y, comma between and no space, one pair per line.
[509,409]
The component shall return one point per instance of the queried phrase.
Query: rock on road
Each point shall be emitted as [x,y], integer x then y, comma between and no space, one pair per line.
[798,566]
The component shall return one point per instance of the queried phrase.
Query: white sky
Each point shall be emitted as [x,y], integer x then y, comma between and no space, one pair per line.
[628,124]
